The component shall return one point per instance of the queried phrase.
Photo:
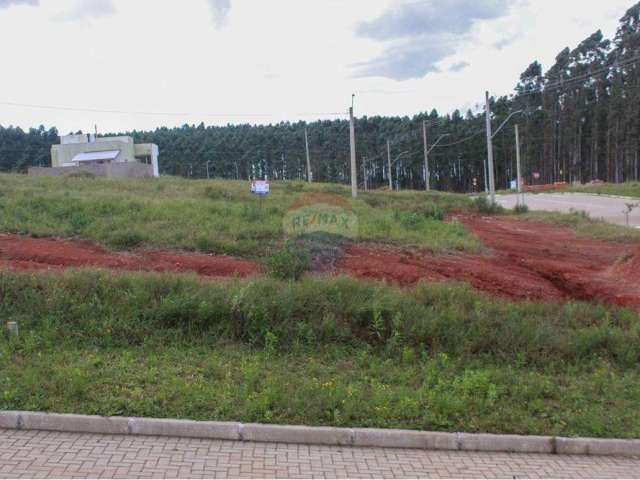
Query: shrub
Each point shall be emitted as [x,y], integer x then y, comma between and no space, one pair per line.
[520,209]
[289,263]
[433,211]
[484,205]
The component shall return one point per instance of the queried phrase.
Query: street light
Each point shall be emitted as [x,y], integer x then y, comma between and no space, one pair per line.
[427,172]
[391,163]
[490,136]
[505,122]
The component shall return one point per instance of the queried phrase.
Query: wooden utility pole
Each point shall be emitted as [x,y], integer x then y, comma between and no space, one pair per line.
[389,165]
[306,143]
[427,174]
[491,172]
[352,139]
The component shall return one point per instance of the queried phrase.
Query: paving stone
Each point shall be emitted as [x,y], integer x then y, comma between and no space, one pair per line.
[167,457]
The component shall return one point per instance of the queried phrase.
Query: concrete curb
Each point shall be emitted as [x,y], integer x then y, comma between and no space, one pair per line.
[356,437]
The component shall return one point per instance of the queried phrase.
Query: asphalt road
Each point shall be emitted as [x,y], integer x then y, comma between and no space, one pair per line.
[597,206]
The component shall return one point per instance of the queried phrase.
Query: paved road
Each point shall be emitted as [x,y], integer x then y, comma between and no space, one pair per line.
[598,206]
[31,454]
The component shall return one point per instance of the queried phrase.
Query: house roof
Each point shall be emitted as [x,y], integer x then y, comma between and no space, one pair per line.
[93,156]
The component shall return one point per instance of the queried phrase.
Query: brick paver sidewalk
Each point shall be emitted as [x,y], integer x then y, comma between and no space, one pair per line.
[31,454]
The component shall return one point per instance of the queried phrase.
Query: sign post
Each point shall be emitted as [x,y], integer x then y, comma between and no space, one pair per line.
[260,188]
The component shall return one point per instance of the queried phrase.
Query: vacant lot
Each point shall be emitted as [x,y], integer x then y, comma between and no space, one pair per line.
[319,351]
[212,216]
[537,356]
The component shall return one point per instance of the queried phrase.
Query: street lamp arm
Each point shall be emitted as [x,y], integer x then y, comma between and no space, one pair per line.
[399,156]
[442,137]
[505,122]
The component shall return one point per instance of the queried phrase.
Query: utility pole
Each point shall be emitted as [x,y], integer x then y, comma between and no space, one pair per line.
[519,173]
[207,169]
[427,174]
[492,180]
[486,185]
[389,164]
[306,144]
[352,138]
[364,172]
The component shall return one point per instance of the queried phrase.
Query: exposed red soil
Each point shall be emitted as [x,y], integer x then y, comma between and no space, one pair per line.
[27,253]
[526,260]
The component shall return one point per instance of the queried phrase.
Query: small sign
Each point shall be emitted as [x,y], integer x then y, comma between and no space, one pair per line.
[514,184]
[536,175]
[260,187]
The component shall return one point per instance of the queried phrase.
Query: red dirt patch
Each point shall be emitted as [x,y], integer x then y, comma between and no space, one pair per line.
[527,260]
[27,253]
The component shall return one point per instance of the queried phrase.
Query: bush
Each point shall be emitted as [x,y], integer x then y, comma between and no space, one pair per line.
[289,263]
[484,205]
[520,208]
[434,212]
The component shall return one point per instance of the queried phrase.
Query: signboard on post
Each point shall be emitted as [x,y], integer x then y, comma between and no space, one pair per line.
[536,175]
[260,187]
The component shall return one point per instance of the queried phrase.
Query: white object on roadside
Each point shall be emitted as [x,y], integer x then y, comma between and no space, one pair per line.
[12,327]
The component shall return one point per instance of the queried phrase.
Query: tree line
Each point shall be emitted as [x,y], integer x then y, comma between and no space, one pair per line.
[580,121]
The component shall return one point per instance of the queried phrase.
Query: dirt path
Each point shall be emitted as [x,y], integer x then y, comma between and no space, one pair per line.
[26,253]
[526,260]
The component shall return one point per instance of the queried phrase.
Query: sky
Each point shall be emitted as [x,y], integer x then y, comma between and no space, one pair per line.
[141,64]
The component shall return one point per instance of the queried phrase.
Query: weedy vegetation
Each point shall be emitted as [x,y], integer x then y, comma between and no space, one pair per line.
[213,216]
[320,351]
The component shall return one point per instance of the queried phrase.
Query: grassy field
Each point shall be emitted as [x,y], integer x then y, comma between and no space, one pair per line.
[213,216]
[586,226]
[627,189]
[319,351]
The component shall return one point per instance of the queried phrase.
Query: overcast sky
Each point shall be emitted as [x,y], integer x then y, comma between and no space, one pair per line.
[168,62]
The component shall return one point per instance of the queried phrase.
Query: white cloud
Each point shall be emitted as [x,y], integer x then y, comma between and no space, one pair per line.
[220,11]
[459,66]
[8,3]
[276,60]
[422,34]
[87,9]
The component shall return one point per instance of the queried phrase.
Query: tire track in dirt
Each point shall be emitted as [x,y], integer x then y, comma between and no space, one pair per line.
[525,260]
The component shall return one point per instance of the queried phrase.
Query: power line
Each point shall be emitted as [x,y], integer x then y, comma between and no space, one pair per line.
[466,139]
[181,114]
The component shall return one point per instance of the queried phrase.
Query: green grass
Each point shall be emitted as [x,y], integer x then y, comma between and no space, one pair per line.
[320,351]
[586,226]
[212,216]
[627,189]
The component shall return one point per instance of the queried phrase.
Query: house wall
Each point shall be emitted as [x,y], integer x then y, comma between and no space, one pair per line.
[149,150]
[61,154]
